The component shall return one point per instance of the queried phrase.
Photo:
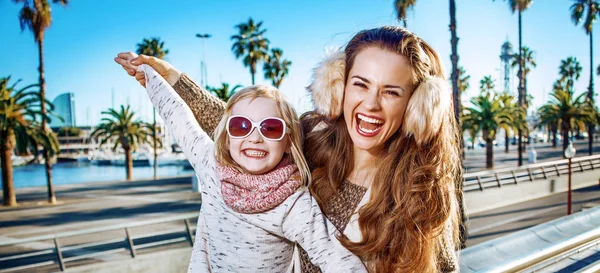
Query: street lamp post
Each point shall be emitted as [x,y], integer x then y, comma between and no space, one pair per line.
[203,74]
[569,153]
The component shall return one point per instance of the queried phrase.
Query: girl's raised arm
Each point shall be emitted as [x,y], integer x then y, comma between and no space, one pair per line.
[197,146]
[207,108]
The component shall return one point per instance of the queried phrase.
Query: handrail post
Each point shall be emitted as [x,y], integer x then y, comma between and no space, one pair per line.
[514,177]
[61,262]
[189,231]
[479,182]
[544,172]
[580,166]
[557,171]
[498,180]
[130,241]
[530,176]
[592,164]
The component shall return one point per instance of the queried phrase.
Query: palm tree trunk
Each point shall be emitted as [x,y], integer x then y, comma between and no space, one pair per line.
[7,175]
[520,91]
[565,134]
[506,142]
[252,72]
[454,57]
[47,159]
[591,92]
[489,153]
[154,146]
[128,164]
[554,140]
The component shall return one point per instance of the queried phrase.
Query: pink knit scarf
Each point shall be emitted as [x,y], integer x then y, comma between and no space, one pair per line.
[248,193]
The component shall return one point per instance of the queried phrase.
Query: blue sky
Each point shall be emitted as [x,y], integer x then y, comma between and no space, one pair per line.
[85,36]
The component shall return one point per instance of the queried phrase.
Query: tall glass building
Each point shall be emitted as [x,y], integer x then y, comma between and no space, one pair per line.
[64,106]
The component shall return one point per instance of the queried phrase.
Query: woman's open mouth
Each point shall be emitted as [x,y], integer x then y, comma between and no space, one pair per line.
[368,126]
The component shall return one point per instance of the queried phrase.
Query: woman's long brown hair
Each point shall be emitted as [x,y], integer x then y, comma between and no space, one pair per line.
[413,199]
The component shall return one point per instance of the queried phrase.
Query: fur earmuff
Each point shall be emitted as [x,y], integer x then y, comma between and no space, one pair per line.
[327,87]
[429,105]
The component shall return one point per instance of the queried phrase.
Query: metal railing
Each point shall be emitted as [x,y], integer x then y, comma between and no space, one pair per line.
[547,247]
[78,252]
[528,173]
[548,256]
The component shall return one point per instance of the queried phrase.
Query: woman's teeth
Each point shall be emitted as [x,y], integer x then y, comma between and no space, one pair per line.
[368,125]
[370,120]
[367,130]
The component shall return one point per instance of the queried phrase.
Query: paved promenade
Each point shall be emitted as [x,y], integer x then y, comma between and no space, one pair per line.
[91,205]
[83,206]
[487,225]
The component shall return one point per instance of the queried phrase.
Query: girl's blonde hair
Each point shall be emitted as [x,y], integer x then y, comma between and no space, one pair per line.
[288,114]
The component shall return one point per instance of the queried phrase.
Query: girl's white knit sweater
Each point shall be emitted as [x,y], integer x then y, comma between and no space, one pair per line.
[227,241]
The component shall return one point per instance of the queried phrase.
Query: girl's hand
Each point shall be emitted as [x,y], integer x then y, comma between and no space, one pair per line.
[129,61]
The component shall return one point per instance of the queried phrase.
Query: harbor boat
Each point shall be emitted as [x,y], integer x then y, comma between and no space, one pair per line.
[100,157]
[20,160]
[139,160]
[81,158]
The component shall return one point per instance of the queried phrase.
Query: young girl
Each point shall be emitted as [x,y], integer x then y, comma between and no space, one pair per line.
[254,202]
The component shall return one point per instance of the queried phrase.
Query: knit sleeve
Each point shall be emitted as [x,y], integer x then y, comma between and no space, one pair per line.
[208,109]
[197,146]
[447,258]
[306,225]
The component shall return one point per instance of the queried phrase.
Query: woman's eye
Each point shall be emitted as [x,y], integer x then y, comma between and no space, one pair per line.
[360,84]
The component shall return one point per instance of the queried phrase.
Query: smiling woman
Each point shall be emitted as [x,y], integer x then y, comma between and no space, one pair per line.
[378,90]
[386,130]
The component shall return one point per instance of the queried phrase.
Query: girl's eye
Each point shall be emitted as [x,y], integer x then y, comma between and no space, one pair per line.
[393,93]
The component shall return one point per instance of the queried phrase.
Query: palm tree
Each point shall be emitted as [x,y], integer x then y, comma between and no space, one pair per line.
[547,115]
[510,104]
[487,85]
[36,16]
[520,6]
[463,80]
[156,48]
[588,9]
[223,92]
[250,44]
[275,67]
[402,7]
[569,112]
[487,114]
[456,73]
[470,127]
[152,47]
[570,70]
[462,86]
[527,62]
[457,82]
[19,111]
[123,129]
